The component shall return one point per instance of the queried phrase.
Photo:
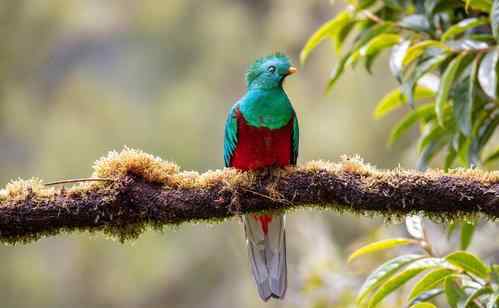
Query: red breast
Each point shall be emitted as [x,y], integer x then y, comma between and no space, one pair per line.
[260,147]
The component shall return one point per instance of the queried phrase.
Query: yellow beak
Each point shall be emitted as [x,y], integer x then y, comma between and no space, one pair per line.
[292,70]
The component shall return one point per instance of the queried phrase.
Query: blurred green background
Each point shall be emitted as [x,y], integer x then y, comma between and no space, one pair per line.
[80,78]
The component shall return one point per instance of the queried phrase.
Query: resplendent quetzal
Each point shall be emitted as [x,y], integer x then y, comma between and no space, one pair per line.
[262,132]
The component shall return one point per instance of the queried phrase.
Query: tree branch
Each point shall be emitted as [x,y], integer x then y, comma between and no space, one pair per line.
[150,192]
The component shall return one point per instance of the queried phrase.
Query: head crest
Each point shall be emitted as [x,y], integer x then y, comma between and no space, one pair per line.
[255,68]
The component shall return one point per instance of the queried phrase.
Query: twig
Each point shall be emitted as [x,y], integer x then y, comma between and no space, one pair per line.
[372,17]
[284,201]
[79,181]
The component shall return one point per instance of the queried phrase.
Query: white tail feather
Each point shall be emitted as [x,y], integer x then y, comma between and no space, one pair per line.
[267,254]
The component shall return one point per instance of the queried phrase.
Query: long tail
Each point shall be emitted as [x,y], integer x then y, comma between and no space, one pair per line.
[266,241]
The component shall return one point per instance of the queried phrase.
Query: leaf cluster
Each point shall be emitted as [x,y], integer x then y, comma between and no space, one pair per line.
[463,278]
[444,55]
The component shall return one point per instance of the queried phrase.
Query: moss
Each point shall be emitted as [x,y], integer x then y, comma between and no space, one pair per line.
[131,161]
[123,233]
[17,190]
[152,169]
[352,164]
[227,176]
[353,171]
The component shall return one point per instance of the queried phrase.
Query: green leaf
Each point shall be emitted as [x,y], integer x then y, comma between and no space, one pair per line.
[379,42]
[494,16]
[410,119]
[432,132]
[467,230]
[383,272]
[465,154]
[342,34]
[469,263]
[416,22]
[487,128]
[374,45]
[433,7]
[394,99]
[466,44]
[397,5]
[445,85]
[487,73]
[396,58]
[369,33]
[327,30]
[464,98]
[364,37]
[428,153]
[381,245]
[495,276]
[337,72]
[416,50]
[403,276]
[361,4]
[457,140]
[453,292]
[450,158]
[430,281]
[482,37]
[463,26]
[462,106]
[423,305]
[479,5]
[427,295]
[451,228]
[462,144]
[422,68]
[476,294]
[482,131]
[369,60]
[469,148]
[492,156]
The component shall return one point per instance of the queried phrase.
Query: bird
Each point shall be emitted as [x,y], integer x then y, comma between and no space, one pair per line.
[261,133]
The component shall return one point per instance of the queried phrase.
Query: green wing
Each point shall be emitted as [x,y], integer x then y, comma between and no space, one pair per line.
[230,138]
[295,140]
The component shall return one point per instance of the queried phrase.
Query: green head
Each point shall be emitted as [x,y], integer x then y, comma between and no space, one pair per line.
[269,72]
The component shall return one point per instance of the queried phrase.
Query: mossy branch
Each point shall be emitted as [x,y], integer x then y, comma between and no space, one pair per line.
[147,191]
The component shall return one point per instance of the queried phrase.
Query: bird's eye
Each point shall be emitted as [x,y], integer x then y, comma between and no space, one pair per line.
[271,69]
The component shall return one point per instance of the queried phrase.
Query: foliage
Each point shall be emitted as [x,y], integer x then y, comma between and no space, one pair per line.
[444,55]
[463,278]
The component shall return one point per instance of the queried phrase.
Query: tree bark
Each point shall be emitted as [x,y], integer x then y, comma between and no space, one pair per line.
[123,208]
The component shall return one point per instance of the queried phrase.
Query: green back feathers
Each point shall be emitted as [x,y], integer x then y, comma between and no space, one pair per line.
[265,104]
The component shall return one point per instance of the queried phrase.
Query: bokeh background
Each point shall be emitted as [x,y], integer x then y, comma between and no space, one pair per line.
[81,78]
